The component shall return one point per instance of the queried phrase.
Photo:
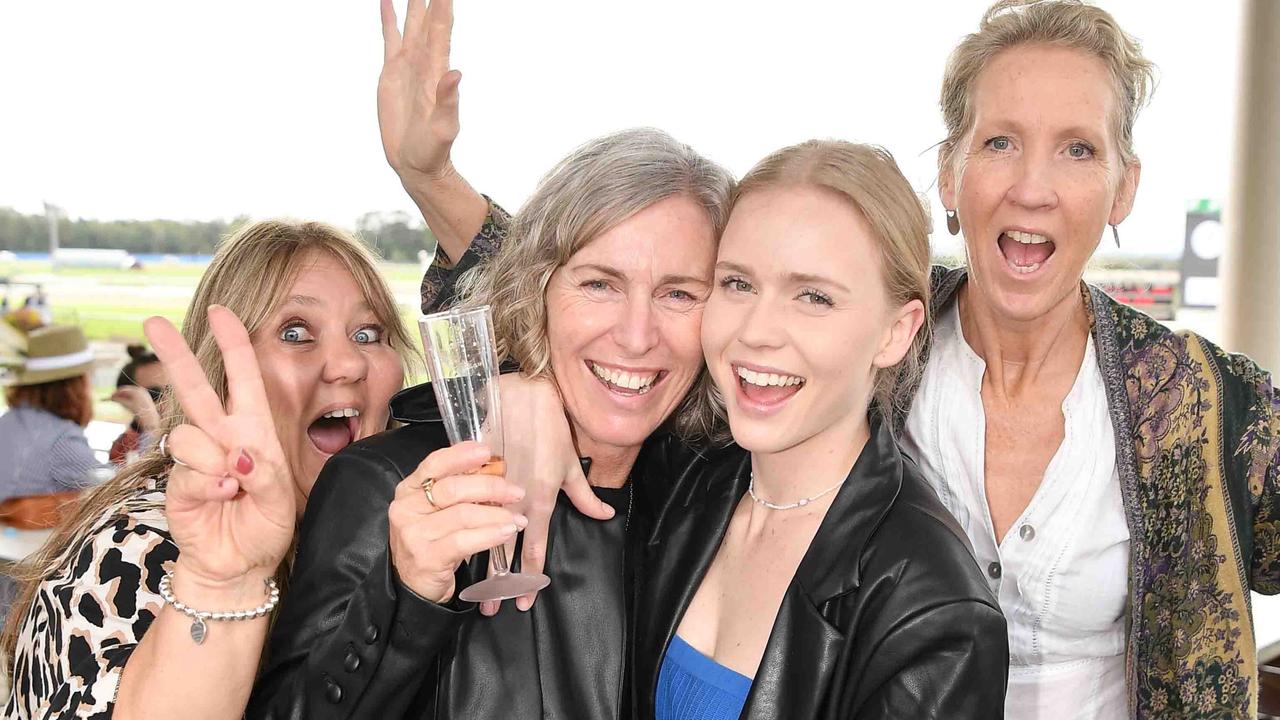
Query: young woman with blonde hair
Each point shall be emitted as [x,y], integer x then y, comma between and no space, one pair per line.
[153,599]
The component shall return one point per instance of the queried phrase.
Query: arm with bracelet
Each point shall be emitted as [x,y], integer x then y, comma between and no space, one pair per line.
[160,606]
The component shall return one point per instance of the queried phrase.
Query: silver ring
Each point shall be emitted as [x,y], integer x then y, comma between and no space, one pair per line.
[164,450]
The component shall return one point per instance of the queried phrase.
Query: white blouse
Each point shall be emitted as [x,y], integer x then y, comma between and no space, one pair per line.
[1061,572]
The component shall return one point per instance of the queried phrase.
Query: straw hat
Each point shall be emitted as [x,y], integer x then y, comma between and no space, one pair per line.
[53,352]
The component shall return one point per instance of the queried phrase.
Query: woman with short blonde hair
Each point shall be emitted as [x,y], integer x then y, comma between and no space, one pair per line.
[1098,462]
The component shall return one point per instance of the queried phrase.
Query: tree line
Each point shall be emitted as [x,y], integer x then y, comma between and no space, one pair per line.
[396,236]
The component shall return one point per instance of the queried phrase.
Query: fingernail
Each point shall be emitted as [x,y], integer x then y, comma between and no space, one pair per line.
[517,492]
[523,603]
[509,530]
[489,607]
[522,522]
[224,483]
[244,463]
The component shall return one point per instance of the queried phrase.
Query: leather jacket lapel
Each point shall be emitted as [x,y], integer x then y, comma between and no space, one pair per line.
[831,565]
[801,656]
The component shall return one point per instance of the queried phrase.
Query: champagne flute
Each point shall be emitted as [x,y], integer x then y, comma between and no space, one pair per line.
[464,376]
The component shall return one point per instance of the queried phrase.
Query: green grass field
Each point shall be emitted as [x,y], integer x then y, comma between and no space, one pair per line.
[110,305]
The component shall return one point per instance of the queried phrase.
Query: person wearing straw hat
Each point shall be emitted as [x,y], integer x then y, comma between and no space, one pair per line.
[46,458]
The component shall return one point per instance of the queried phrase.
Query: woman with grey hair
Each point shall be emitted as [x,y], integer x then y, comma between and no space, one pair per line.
[1121,487]
[601,287]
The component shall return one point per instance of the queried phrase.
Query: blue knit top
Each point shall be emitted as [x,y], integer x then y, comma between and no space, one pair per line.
[692,686]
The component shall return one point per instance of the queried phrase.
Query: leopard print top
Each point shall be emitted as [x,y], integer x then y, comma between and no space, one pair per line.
[90,614]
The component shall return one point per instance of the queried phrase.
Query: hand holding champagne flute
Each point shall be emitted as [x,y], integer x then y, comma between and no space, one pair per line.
[464,376]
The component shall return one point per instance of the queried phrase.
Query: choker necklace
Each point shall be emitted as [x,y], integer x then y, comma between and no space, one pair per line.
[751,490]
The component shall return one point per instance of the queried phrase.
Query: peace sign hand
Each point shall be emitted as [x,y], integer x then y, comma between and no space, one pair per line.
[417,93]
[231,500]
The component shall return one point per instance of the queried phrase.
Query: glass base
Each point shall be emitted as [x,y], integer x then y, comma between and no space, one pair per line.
[505,587]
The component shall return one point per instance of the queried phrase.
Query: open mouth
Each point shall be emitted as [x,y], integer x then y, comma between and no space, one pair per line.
[334,430]
[1025,252]
[767,389]
[626,382]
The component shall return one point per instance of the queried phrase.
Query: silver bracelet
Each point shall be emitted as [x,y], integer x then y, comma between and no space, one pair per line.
[199,618]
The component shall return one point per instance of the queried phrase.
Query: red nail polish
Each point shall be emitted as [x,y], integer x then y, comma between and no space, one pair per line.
[244,464]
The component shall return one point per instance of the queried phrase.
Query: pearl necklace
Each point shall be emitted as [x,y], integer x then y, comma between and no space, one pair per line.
[751,490]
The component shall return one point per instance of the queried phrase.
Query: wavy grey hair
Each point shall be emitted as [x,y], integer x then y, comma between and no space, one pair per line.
[597,187]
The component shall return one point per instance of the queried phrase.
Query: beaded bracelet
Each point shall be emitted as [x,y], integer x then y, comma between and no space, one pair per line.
[199,618]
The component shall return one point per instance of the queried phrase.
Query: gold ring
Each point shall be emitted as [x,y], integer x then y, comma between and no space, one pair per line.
[427,486]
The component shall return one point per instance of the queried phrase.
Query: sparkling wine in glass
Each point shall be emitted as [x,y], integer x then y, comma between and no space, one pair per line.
[464,376]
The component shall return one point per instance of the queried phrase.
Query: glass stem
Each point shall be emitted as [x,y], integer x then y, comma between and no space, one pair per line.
[498,555]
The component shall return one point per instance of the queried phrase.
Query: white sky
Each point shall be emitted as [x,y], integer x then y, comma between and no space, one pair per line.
[184,110]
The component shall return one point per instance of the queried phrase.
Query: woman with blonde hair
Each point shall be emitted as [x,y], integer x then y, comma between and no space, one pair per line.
[153,599]
[809,570]
[1121,483]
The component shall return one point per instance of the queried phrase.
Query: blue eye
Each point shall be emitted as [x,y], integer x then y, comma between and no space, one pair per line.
[368,335]
[295,333]
[815,297]
[999,143]
[736,284]
[1080,151]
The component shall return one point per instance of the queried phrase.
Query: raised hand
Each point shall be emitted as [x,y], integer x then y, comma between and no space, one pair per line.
[431,536]
[417,93]
[231,500]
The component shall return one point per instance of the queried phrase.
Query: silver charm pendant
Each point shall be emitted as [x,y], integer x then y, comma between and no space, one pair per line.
[198,631]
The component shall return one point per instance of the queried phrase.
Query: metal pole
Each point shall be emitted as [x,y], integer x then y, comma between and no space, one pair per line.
[51,213]
[1251,261]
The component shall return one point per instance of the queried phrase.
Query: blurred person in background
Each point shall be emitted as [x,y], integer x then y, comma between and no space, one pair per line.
[138,388]
[46,457]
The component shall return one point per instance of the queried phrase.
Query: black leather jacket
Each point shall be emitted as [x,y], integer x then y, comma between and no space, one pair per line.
[888,615]
[352,642]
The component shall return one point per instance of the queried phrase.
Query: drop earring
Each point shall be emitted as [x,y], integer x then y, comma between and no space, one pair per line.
[953,222]
[1115,234]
